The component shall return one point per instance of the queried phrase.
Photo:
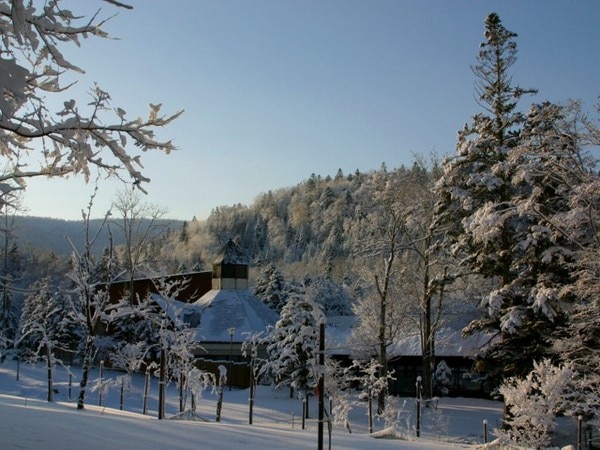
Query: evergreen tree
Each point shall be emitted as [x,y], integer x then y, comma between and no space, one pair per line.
[271,288]
[44,327]
[472,187]
[531,304]
[293,344]
[443,378]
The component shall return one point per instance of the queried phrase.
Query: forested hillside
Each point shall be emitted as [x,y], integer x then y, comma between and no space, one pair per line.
[308,229]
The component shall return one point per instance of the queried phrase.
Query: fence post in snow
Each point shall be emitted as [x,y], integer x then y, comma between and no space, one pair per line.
[485,431]
[418,388]
[579,433]
[101,383]
[146,387]
[303,413]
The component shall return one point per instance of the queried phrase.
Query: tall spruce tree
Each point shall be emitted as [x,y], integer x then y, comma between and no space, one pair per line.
[529,306]
[471,185]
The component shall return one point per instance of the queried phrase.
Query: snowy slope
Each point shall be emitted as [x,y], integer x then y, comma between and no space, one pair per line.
[28,422]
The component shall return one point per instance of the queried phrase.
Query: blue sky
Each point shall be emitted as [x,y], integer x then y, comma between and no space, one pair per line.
[275,90]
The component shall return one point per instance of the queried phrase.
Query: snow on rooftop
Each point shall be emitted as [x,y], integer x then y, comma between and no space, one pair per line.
[231,254]
[222,309]
[217,311]
[449,340]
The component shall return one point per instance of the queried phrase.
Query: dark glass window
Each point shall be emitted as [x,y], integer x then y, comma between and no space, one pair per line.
[228,271]
[241,271]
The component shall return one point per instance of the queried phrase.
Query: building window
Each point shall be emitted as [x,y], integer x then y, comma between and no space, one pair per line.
[241,271]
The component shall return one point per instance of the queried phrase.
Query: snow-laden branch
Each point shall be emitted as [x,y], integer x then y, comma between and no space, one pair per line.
[70,140]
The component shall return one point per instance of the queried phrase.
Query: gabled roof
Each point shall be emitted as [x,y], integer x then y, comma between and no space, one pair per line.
[231,253]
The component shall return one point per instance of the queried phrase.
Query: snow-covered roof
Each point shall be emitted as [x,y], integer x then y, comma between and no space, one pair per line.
[176,310]
[222,309]
[449,340]
[217,311]
[231,253]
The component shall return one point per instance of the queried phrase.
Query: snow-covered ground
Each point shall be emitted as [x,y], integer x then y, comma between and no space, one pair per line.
[27,421]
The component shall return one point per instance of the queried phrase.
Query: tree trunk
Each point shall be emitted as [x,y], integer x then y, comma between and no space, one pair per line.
[85,372]
[428,357]
[162,383]
[306,396]
[219,401]
[382,355]
[50,396]
[370,412]
[222,382]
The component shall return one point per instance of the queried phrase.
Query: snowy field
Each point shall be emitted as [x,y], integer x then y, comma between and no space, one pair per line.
[29,422]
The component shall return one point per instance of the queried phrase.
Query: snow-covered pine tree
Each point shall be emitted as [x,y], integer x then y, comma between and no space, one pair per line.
[579,342]
[293,345]
[271,288]
[532,303]
[40,327]
[443,378]
[471,187]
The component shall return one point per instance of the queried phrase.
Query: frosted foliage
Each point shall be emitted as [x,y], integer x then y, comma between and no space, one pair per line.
[39,138]
[199,380]
[443,377]
[333,299]
[128,357]
[485,225]
[271,288]
[367,375]
[542,299]
[512,320]
[294,343]
[533,403]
